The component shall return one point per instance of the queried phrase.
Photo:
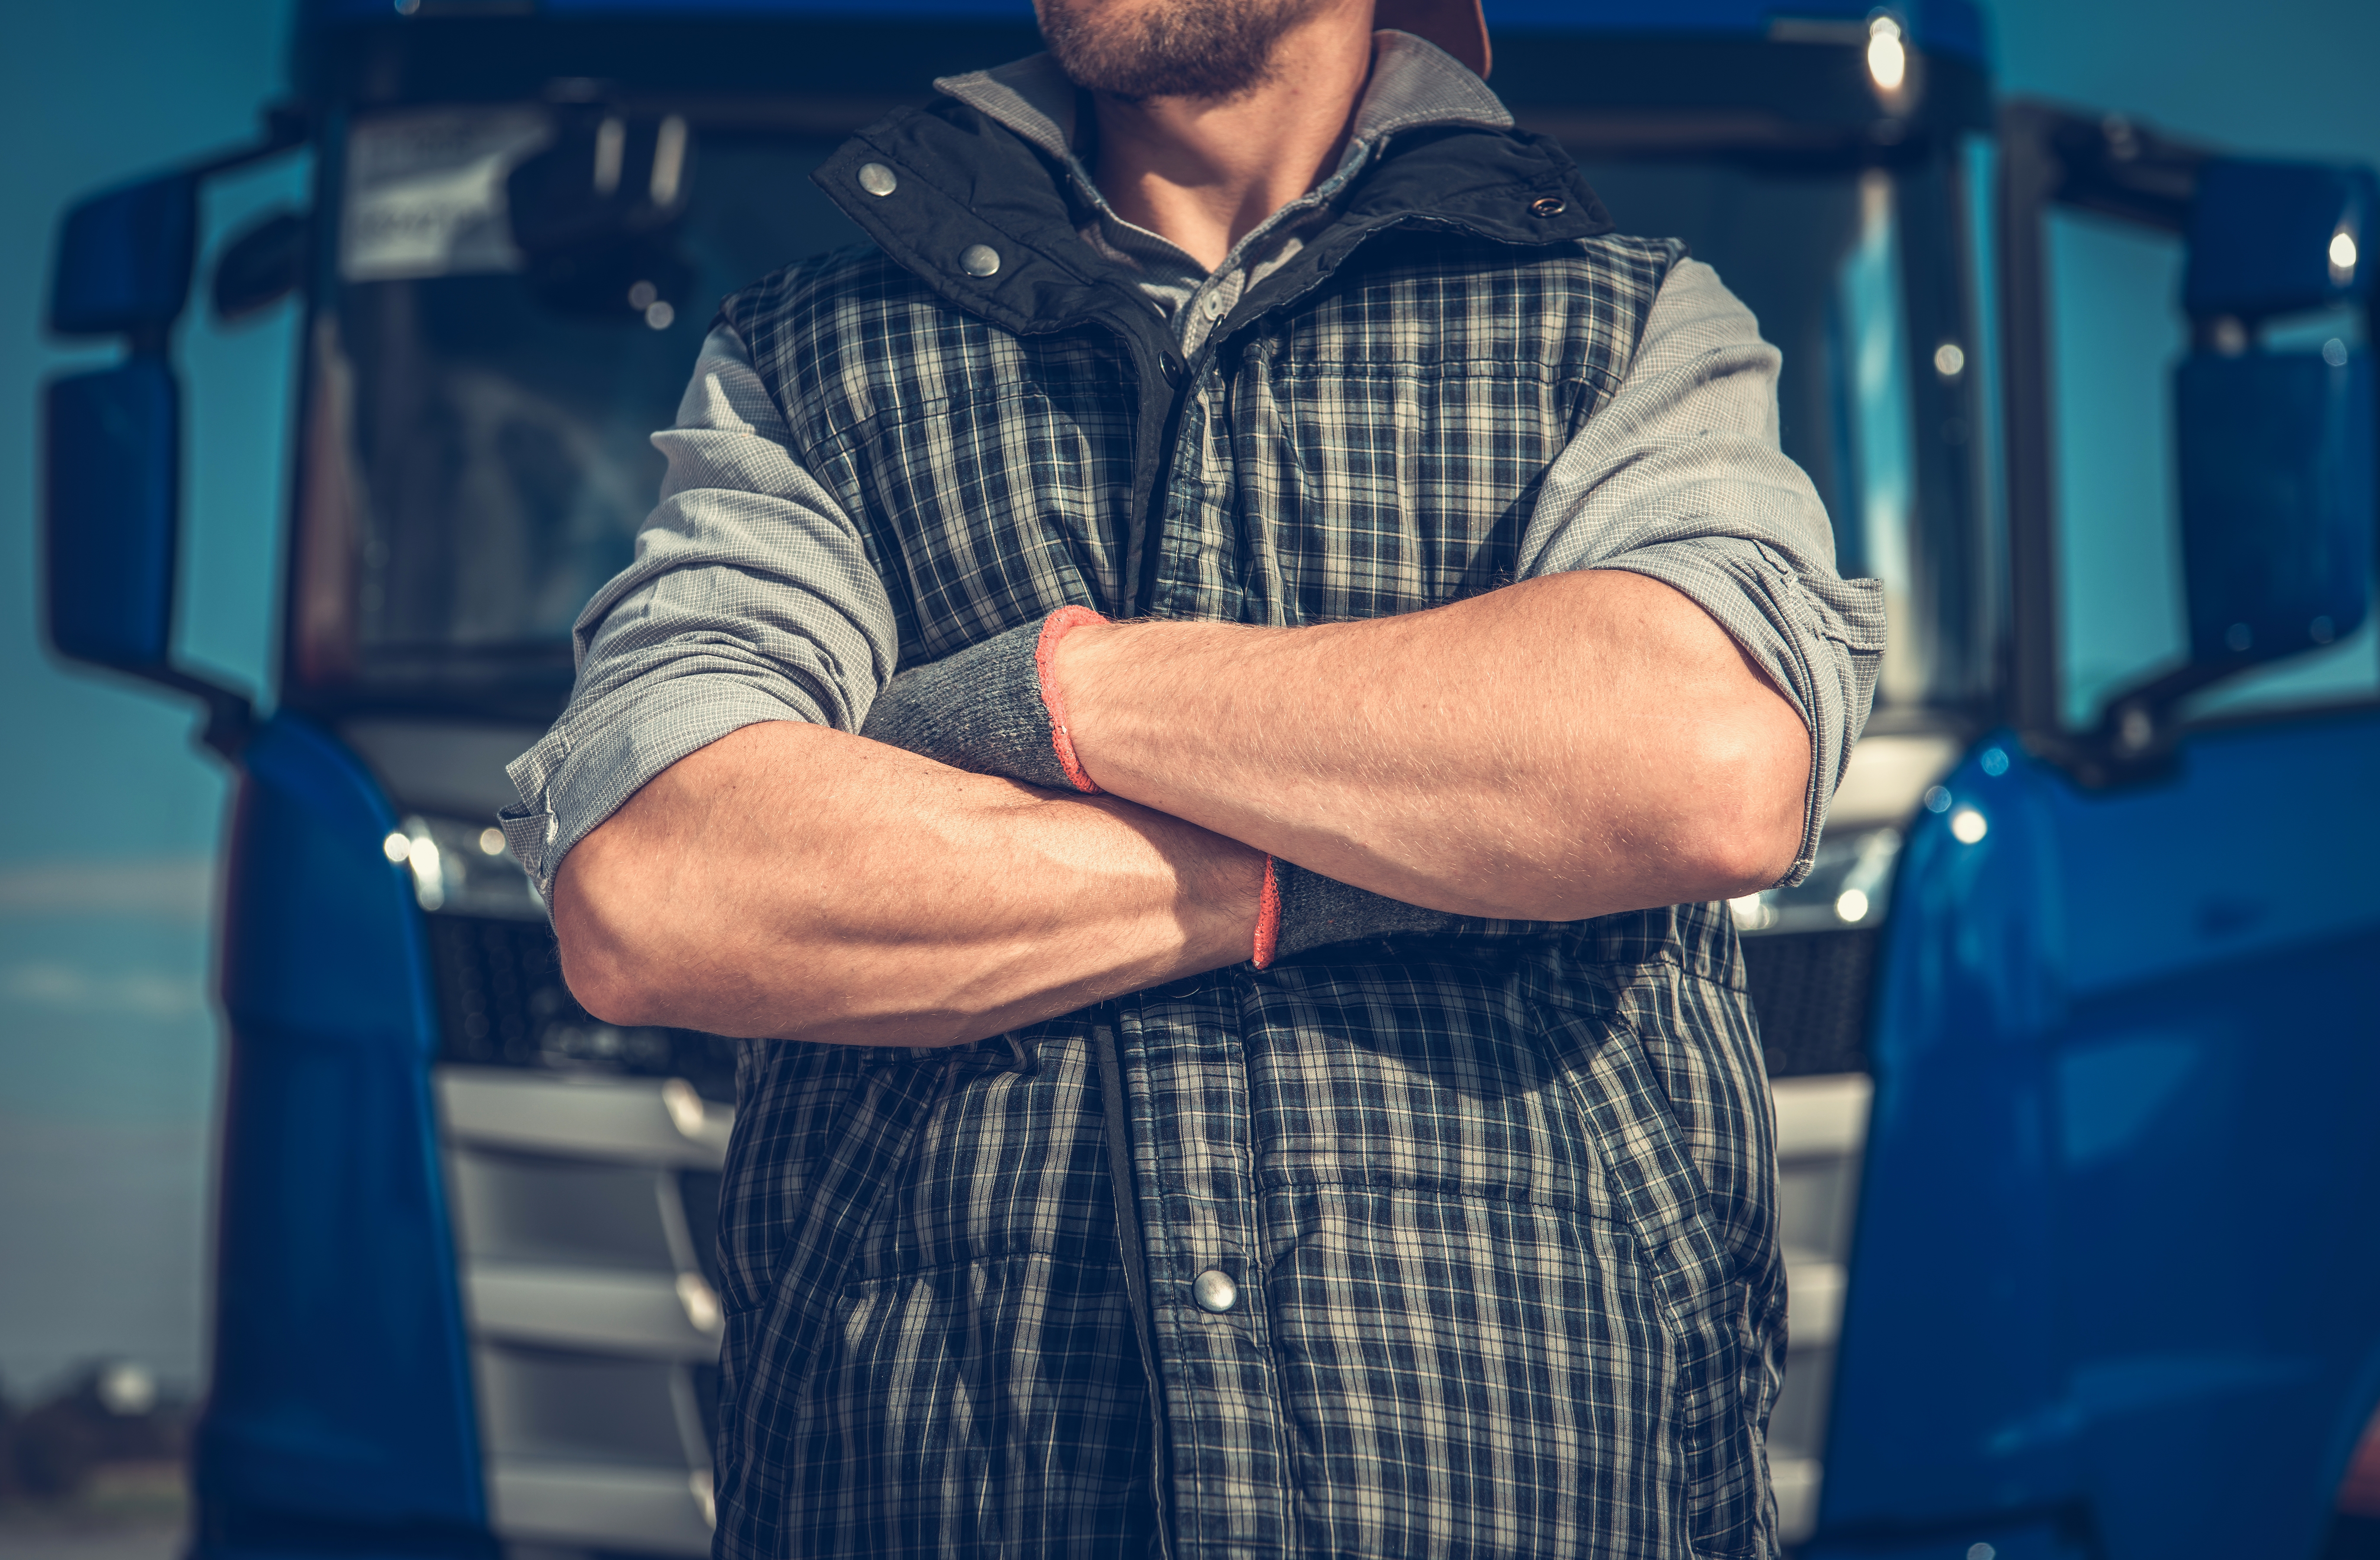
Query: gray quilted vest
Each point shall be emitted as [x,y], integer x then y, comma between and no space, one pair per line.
[1496,1205]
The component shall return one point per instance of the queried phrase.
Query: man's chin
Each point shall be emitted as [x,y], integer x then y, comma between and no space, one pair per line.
[1215,49]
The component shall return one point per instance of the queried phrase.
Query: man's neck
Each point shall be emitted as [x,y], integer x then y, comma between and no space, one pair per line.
[1204,172]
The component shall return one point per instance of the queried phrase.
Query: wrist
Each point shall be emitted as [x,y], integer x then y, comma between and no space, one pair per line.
[1226,902]
[1075,650]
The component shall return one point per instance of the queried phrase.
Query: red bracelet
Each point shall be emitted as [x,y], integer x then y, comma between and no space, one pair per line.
[1267,918]
[1056,626]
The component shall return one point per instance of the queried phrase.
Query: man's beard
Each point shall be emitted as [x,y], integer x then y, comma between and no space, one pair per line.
[1171,48]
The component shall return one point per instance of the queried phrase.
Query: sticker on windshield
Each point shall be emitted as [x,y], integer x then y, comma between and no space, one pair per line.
[425,192]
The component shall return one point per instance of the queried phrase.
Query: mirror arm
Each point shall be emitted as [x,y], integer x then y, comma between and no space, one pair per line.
[2139,729]
[2145,719]
[231,715]
[286,127]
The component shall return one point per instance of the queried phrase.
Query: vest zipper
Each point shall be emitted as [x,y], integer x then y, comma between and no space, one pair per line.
[1179,378]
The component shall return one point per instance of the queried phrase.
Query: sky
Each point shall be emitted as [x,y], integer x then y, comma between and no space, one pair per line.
[110,818]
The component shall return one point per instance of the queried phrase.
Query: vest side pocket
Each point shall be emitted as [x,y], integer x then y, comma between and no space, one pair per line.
[772,1350]
[1660,1195]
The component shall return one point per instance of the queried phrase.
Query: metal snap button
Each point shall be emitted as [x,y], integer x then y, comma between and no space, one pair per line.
[978,259]
[1548,205]
[877,179]
[1215,1291]
[1173,368]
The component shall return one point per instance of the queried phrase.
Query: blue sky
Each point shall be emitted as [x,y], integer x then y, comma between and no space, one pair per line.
[109,819]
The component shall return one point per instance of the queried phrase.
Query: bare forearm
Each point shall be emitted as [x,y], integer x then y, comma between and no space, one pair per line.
[792,881]
[1564,747]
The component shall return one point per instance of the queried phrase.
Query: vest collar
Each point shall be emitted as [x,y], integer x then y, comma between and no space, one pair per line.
[990,167]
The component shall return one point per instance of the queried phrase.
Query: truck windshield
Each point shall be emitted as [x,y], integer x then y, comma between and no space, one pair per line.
[477,460]
[475,456]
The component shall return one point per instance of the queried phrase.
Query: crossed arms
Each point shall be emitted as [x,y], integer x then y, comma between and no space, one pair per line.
[1565,747]
[732,858]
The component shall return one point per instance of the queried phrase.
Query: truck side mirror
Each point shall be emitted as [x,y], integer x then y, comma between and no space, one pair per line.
[2278,499]
[2278,507]
[113,443]
[113,477]
[123,262]
[113,464]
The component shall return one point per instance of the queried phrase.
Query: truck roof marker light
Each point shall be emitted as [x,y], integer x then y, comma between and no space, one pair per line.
[1968,827]
[396,848]
[2342,257]
[1887,53]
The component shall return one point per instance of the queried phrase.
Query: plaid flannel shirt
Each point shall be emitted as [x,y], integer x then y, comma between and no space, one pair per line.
[1494,1205]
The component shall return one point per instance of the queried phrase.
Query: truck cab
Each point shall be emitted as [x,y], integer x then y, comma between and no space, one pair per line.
[2070,1030]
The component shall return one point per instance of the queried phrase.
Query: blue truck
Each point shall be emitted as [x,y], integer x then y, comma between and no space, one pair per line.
[2074,1033]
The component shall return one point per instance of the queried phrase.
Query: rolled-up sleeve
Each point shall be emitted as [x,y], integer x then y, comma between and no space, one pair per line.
[751,598]
[1679,476]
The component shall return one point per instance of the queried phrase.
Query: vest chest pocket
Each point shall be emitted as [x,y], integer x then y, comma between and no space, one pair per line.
[990,507]
[1365,488]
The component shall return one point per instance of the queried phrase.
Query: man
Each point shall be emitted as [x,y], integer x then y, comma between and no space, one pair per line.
[1266,1076]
